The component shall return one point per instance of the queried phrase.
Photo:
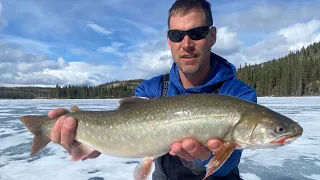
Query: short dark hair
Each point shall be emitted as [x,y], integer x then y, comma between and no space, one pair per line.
[182,7]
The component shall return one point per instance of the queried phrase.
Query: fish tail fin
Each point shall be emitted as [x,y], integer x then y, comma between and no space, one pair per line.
[33,123]
[143,169]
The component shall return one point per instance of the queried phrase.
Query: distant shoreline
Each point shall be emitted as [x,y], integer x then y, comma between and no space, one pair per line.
[125,97]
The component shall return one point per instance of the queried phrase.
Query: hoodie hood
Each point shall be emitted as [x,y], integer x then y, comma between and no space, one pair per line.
[221,70]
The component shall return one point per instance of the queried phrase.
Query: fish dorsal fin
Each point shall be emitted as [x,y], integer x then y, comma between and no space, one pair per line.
[132,101]
[75,108]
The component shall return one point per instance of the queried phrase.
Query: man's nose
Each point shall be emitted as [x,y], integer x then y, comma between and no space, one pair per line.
[187,42]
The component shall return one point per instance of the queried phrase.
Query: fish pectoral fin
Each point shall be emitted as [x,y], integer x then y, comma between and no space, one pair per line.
[80,151]
[75,108]
[220,158]
[143,169]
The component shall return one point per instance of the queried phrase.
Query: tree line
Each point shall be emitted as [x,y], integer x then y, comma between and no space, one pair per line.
[296,74]
[116,89]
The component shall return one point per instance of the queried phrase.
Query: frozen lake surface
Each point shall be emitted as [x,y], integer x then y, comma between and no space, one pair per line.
[299,160]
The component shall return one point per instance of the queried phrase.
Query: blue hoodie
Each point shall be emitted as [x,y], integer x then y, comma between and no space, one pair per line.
[223,73]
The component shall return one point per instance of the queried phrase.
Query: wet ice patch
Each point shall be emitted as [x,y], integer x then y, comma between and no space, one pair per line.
[313,176]
[249,176]
[5,110]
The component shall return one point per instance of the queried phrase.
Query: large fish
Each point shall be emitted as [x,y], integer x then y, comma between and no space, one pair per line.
[148,127]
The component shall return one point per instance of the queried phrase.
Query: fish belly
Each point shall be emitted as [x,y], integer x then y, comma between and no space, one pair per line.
[151,139]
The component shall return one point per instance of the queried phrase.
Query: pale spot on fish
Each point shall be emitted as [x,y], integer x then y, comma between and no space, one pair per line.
[141,150]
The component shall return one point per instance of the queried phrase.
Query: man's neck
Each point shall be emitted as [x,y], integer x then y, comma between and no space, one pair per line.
[193,80]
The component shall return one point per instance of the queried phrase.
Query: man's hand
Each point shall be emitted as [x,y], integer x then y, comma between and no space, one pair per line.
[64,129]
[190,149]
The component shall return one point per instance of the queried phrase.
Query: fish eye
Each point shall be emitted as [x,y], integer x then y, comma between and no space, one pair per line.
[279,129]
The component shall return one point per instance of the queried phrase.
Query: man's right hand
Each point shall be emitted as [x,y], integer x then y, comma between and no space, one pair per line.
[64,129]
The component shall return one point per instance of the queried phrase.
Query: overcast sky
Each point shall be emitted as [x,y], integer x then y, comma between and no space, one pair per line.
[76,42]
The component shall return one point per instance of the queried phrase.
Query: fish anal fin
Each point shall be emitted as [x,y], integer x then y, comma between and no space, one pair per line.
[75,108]
[80,151]
[143,169]
[220,158]
[132,101]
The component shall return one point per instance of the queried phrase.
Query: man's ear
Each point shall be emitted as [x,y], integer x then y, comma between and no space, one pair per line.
[213,34]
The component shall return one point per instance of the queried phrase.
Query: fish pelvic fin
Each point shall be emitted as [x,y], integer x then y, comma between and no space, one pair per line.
[143,169]
[80,151]
[220,158]
[33,123]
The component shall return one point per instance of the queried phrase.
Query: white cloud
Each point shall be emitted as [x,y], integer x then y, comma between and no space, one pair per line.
[269,17]
[279,44]
[227,42]
[113,49]
[80,51]
[29,45]
[82,73]
[19,68]
[98,29]
[147,59]
[301,34]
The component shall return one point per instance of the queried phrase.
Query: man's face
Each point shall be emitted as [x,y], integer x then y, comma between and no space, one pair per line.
[190,55]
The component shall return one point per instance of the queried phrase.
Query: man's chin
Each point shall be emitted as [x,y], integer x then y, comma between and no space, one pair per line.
[189,70]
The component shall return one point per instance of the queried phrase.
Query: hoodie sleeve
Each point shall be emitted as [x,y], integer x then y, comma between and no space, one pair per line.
[143,90]
[242,91]
[149,88]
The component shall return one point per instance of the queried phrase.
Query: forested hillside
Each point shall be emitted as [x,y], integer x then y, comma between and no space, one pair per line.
[297,74]
[116,89]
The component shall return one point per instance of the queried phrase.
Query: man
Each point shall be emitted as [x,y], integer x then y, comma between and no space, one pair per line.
[195,70]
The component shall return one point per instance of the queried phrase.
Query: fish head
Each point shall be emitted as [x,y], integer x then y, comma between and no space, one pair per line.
[262,128]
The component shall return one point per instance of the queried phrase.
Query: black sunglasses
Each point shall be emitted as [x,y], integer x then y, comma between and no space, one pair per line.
[196,33]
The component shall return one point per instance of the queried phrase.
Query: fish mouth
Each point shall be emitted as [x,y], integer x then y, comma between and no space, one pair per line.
[288,137]
[285,139]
